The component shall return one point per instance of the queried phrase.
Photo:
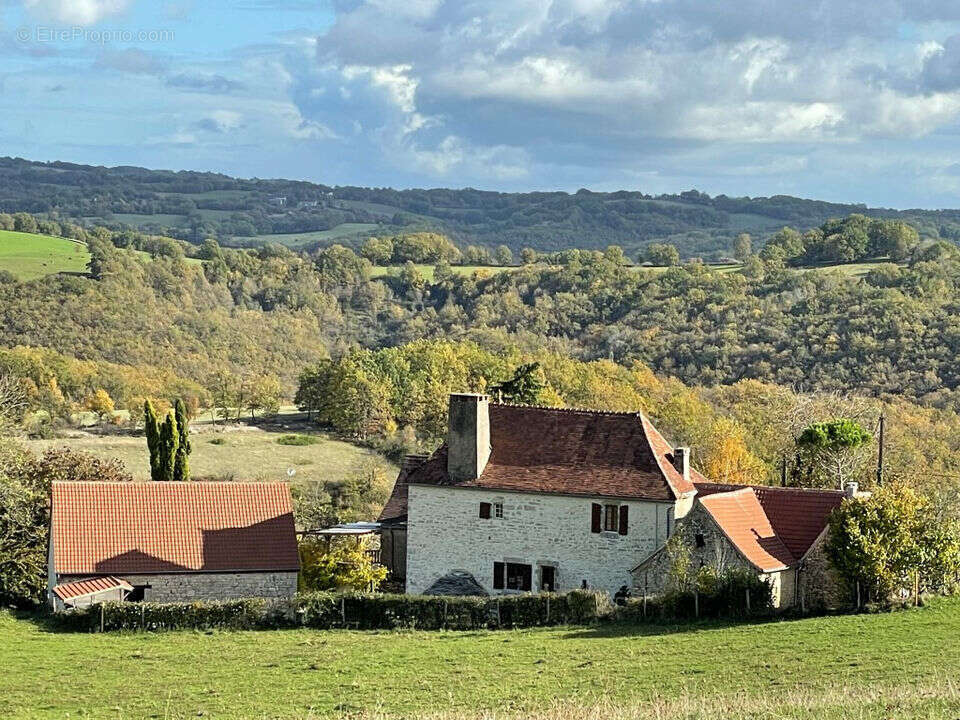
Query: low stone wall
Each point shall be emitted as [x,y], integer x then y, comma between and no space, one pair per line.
[188,587]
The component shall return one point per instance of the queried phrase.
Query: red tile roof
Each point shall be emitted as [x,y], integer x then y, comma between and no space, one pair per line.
[81,588]
[798,515]
[156,527]
[562,451]
[742,519]
[396,507]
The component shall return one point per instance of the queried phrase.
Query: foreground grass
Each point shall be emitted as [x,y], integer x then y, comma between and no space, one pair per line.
[29,256]
[880,666]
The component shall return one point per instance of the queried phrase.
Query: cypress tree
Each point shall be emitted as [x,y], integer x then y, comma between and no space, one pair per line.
[151,428]
[169,440]
[181,465]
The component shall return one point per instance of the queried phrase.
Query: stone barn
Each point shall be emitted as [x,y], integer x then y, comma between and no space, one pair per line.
[170,542]
[774,532]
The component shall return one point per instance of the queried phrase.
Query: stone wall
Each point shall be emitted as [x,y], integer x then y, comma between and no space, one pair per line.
[187,587]
[653,576]
[818,587]
[445,532]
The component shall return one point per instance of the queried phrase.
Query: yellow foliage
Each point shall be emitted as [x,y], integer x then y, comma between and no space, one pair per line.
[726,458]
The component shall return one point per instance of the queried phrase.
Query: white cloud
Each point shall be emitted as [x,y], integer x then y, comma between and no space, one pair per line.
[77,12]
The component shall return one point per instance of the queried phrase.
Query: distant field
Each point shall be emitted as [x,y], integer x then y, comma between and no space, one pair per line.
[246,454]
[297,240]
[898,665]
[427,270]
[29,256]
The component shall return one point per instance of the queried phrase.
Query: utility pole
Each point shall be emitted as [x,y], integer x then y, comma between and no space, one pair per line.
[880,454]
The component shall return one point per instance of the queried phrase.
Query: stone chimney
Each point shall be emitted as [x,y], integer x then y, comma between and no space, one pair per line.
[468,436]
[681,461]
[850,489]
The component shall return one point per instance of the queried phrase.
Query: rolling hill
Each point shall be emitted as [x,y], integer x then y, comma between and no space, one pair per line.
[248,212]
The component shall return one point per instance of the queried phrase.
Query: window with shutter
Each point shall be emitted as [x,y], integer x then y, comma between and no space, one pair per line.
[596,517]
[624,512]
[498,575]
[485,510]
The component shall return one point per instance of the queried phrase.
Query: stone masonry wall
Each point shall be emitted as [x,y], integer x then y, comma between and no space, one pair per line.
[188,587]
[653,577]
[445,532]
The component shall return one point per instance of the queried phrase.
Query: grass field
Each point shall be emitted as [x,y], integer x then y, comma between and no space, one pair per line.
[247,454]
[297,240]
[30,256]
[899,665]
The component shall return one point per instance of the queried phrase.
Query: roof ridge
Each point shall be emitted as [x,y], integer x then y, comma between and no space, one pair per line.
[591,411]
[777,488]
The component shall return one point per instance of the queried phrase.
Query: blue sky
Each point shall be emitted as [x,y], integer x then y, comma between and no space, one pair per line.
[846,100]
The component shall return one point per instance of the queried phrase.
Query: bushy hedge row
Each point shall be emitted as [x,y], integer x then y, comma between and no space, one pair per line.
[722,595]
[351,610]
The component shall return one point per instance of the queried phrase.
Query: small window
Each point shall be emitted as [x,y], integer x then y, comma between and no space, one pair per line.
[498,509]
[138,593]
[611,518]
[701,542]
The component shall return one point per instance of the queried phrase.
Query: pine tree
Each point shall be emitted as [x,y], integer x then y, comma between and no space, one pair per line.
[181,465]
[169,440]
[151,428]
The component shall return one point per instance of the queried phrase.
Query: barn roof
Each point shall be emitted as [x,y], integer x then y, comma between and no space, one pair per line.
[797,515]
[742,519]
[560,451]
[160,527]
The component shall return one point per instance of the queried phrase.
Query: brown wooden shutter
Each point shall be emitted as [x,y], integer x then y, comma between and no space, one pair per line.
[624,511]
[597,517]
[499,571]
[485,510]
[527,582]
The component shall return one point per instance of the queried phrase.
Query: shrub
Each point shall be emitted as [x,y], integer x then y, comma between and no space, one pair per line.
[713,595]
[297,440]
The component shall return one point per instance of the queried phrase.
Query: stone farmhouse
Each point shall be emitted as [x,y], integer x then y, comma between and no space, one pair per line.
[527,499]
[169,541]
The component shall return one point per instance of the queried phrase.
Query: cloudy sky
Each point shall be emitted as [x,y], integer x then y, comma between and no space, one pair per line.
[847,100]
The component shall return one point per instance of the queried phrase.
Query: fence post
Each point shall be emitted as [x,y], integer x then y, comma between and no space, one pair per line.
[445,604]
[696,603]
[101,617]
[499,621]
[143,610]
[548,609]
[343,611]
[748,600]
[858,594]
[644,604]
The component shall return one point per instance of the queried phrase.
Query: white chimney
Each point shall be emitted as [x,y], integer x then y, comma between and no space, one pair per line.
[850,489]
[681,461]
[468,436]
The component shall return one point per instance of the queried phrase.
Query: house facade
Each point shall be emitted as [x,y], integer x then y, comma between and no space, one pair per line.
[170,542]
[526,499]
[531,499]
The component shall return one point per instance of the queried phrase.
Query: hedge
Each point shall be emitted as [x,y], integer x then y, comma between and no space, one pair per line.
[345,610]
[716,596]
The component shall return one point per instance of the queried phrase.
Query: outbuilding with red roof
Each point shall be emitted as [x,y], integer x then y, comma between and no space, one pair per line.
[170,541]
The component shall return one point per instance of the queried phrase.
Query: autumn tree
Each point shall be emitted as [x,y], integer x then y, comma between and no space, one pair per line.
[99,402]
[742,246]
